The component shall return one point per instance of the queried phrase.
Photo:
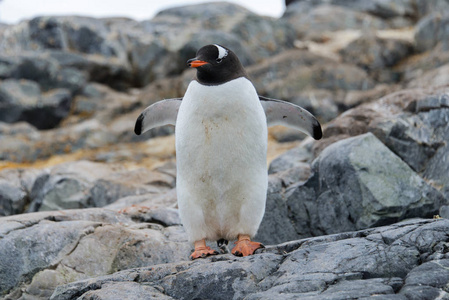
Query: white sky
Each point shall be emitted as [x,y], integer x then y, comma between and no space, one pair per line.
[12,11]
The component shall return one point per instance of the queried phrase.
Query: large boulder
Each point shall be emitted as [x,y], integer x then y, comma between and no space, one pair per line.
[356,183]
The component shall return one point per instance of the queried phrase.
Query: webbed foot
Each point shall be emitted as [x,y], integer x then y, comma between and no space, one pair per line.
[244,246]
[201,250]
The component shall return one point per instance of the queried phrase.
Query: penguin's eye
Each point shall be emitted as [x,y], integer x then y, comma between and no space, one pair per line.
[218,60]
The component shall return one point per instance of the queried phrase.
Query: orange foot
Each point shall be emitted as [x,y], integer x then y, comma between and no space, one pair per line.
[244,246]
[201,250]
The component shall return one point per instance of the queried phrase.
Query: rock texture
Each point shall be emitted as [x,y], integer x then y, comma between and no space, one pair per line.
[88,210]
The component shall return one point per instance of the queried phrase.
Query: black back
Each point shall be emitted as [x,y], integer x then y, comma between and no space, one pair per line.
[218,70]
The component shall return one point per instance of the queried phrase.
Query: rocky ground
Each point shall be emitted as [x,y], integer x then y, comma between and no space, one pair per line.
[360,214]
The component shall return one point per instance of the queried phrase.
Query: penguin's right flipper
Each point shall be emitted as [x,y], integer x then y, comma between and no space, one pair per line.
[158,114]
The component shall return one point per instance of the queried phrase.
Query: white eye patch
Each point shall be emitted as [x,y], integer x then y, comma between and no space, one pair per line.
[222,52]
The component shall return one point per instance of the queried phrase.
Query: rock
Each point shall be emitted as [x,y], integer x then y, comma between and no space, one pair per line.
[15,189]
[379,263]
[296,75]
[293,158]
[76,185]
[431,30]
[151,60]
[424,8]
[417,137]
[374,55]
[231,21]
[355,98]
[381,8]
[355,186]
[409,122]
[68,33]
[317,23]
[62,243]
[264,36]
[415,66]
[434,78]
[444,211]
[23,101]
[42,69]
[107,70]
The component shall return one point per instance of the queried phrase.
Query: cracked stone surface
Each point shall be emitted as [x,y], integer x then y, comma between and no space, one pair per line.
[98,253]
[40,251]
[407,260]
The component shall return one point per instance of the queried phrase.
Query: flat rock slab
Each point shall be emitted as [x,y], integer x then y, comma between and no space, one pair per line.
[401,261]
[39,251]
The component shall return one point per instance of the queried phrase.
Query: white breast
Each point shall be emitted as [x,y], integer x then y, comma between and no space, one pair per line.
[221,144]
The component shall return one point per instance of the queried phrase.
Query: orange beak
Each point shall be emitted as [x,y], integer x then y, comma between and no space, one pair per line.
[196,63]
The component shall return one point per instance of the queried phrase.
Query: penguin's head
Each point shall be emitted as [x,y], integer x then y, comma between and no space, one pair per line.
[216,64]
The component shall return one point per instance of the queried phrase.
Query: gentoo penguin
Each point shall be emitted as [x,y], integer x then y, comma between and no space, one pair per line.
[221,148]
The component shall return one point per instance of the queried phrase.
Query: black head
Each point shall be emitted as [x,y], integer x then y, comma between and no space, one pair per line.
[216,64]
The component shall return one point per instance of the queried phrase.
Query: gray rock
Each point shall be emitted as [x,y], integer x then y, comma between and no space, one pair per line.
[382,8]
[444,211]
[424,8]
[112,187]
[375,54]
[297,74]
[264,36]
[42,69]
[317,23]
[420,139]
[85,184]
[15,189]
[12,198]
[19,246]
[223,23]
[275,226]
[433,78]
[381,263]
[293,158]
[79,34]
[410,122]
[23,101]
[431,30]
[107,70]
[78,244]
[151,60]
[359,183]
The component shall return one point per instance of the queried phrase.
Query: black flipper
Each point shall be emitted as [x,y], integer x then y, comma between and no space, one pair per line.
[279,112]
[161,113]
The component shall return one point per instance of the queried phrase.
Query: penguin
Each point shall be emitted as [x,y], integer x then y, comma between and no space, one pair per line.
[221,147]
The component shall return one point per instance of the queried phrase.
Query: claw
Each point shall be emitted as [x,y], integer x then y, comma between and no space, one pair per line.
[244,246]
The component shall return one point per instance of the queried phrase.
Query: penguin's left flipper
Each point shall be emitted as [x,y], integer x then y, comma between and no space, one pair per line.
[161,113]
[280,112]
